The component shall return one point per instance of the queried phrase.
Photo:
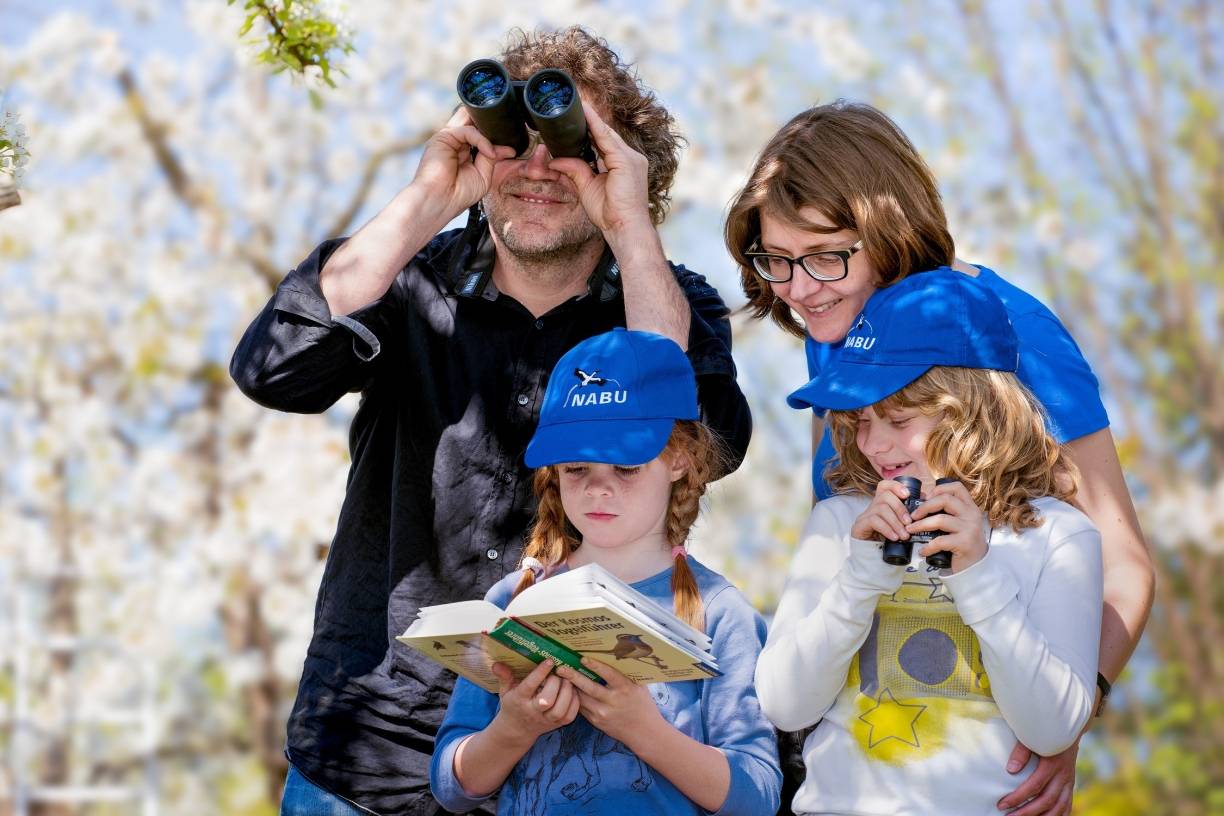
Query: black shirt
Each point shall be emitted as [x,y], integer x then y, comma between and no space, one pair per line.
[438,499]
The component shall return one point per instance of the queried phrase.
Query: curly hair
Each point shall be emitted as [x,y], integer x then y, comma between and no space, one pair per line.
[629,107]
[991,436]
[553,537]
[857,168]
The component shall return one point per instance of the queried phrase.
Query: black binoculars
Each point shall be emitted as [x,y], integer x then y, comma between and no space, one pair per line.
[899,553]
[503,108]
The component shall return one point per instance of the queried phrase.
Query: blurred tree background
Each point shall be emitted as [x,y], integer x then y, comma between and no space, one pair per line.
[162,538]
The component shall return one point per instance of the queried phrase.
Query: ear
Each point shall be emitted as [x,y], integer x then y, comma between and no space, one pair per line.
[677,464]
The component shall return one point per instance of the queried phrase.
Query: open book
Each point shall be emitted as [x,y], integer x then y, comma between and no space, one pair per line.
[585,611]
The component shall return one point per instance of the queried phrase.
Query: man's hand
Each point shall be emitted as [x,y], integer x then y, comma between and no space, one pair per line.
[622,709]
[539,703]
[617,198]
[1048,791]
[449,176]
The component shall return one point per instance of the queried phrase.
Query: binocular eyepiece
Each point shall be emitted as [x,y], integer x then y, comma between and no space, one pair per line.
[899,553]
[503,108]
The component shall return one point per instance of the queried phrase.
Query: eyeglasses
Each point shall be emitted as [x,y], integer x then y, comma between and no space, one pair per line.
[826,265]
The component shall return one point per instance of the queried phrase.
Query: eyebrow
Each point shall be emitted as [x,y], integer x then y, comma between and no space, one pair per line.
[821,246]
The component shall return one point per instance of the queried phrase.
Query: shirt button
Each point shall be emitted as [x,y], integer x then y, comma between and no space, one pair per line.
[522,399]
[539,324]
[491,554]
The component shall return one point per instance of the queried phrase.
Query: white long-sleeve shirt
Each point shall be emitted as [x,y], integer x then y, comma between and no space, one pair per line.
[922,682]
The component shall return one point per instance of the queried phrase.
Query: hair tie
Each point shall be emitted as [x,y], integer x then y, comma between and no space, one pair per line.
[678,552]
[533,564]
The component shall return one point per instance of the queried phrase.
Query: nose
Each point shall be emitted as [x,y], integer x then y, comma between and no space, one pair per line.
[535,166]
[803,285]
[598,483]
[875,439]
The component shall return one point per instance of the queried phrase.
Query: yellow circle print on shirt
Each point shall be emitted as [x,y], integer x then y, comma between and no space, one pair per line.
[918,673]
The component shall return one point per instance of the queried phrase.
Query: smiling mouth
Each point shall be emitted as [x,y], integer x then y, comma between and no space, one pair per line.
[889,471]
[824,307]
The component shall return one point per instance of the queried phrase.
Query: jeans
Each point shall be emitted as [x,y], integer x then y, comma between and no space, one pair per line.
[304,798]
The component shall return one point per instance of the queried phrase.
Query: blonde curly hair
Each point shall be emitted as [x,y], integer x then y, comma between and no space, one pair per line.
[991,436]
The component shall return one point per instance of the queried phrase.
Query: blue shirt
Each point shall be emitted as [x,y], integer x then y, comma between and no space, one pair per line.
[577,769]
[1051,365]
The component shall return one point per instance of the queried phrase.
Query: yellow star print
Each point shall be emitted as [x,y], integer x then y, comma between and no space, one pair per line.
[892,720]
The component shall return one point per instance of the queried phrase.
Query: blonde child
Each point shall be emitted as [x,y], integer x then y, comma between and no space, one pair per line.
[923,679]
[622,464]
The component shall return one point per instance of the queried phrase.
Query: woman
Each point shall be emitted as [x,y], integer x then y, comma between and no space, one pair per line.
[840,193]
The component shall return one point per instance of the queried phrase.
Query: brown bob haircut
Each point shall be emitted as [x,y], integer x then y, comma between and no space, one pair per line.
[859,170]
[632,110]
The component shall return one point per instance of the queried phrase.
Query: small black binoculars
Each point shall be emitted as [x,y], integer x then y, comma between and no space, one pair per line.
[503,108]
[899,553]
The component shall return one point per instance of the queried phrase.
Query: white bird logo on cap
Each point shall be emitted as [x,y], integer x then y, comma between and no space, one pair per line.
[589,379]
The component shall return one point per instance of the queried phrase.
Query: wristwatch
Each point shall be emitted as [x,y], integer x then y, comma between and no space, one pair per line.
[1105,688]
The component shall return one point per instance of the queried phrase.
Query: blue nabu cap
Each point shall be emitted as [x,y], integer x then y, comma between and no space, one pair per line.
[614,398]
[936,318]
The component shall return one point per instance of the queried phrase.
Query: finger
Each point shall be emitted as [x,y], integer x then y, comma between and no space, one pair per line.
[585,685]
[1020,756]
[505,677]
[957,489]
[890,529]
[942,544]
[470,135]
[933,505]
[612,677]
[893,494]
[1063,808]
[547,693]
[459,118]
[1042,805]
[578,171]
[1030,787]
[940,521]
[606,139]
[532,682]
[889,511]
[566,695]
[571,713]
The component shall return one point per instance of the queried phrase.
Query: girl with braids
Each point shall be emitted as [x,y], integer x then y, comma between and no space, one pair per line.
[622,463]
[922,679]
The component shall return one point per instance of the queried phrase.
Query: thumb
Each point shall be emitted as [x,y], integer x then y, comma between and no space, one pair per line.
[505,677]
[578,171]
[1020,756]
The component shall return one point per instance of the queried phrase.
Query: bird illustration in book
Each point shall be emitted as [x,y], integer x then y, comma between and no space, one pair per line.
[631,647]
[919,669]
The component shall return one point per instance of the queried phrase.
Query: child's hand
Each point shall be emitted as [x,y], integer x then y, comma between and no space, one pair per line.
[886,516]
[622,709]
[950,508]
[537,704]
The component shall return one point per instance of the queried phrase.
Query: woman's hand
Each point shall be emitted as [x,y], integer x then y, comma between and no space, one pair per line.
[622,709]
[950,508]
[886,516]
[539,703]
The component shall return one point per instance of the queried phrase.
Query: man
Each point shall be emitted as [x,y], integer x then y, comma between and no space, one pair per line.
[450,337]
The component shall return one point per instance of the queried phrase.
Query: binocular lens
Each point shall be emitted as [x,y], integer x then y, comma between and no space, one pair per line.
[550,96]
[482,87]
